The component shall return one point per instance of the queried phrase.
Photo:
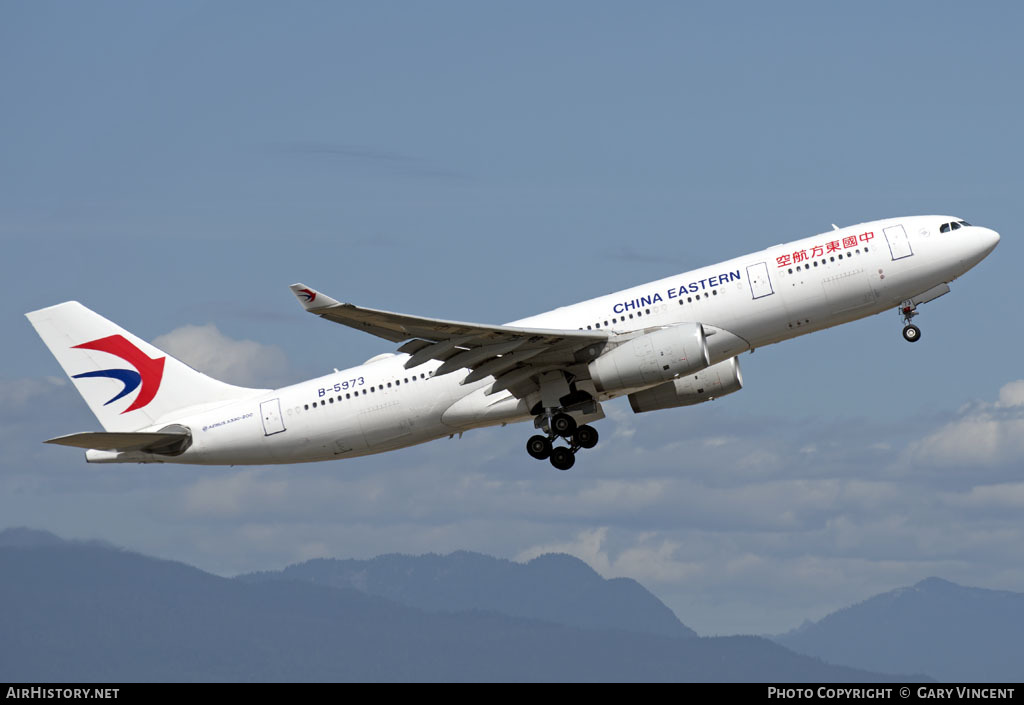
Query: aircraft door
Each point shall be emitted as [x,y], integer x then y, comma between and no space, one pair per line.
[899,244]
[273,422]
[760,283]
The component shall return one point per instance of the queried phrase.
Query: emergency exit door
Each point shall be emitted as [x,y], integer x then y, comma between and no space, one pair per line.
[760,283]
[899,244]
[273,422]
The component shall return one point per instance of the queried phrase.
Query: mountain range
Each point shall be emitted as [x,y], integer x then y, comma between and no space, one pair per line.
[948,631]
[553,588]
[87,611]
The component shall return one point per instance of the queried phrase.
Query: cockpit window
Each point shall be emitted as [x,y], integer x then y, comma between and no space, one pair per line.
[955,225]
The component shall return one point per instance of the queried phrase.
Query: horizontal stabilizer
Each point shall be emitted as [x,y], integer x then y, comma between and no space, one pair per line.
[157,442]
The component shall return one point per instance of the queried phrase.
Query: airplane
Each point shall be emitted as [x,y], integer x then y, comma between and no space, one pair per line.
[667,343]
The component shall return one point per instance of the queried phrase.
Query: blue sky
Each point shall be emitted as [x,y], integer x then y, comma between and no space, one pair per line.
[176,165]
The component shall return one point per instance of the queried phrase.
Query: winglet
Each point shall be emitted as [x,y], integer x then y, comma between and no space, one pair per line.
[312,299]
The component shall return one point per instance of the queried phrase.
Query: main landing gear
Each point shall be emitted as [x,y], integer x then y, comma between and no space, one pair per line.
[560,425]
[911,333]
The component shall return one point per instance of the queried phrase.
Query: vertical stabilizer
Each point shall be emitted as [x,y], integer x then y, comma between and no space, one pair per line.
[127,383]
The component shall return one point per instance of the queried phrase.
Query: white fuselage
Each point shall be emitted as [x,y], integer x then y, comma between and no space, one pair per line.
[762,298]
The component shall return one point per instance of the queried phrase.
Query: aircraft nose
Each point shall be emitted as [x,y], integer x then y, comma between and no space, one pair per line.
[988,240]
[978,243]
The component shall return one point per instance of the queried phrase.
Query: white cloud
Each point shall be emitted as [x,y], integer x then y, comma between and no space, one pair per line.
[1001,495]
[235,494]
[985,434]
[1012,394]
[17,392]
[243,362]
[587,546]
[649,558]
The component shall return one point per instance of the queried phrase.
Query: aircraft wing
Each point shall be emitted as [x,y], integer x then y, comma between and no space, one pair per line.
[511,354]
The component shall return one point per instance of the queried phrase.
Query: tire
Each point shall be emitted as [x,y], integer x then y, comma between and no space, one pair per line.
[562,458]
[563,425]
[585,436]
[911,333]
[538,447]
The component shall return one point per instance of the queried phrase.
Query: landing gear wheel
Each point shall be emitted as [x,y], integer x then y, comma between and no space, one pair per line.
[563,425]
[538,447]
[585,437]
[911,333]
[562,458]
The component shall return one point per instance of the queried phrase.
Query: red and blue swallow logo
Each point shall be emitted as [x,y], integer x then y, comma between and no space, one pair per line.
[148,372]
[308,294]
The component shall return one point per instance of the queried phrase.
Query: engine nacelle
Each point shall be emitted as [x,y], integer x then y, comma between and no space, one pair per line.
[711,383]
[654,357]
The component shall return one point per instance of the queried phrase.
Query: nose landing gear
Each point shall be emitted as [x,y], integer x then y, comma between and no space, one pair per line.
[908,310]
[560,425]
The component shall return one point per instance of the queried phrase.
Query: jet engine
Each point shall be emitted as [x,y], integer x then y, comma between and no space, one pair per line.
[707,384]
[654,357]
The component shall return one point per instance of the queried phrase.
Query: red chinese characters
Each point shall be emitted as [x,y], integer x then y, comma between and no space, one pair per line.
[828,248]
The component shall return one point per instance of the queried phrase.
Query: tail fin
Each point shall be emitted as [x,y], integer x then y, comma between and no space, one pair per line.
[127,383]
